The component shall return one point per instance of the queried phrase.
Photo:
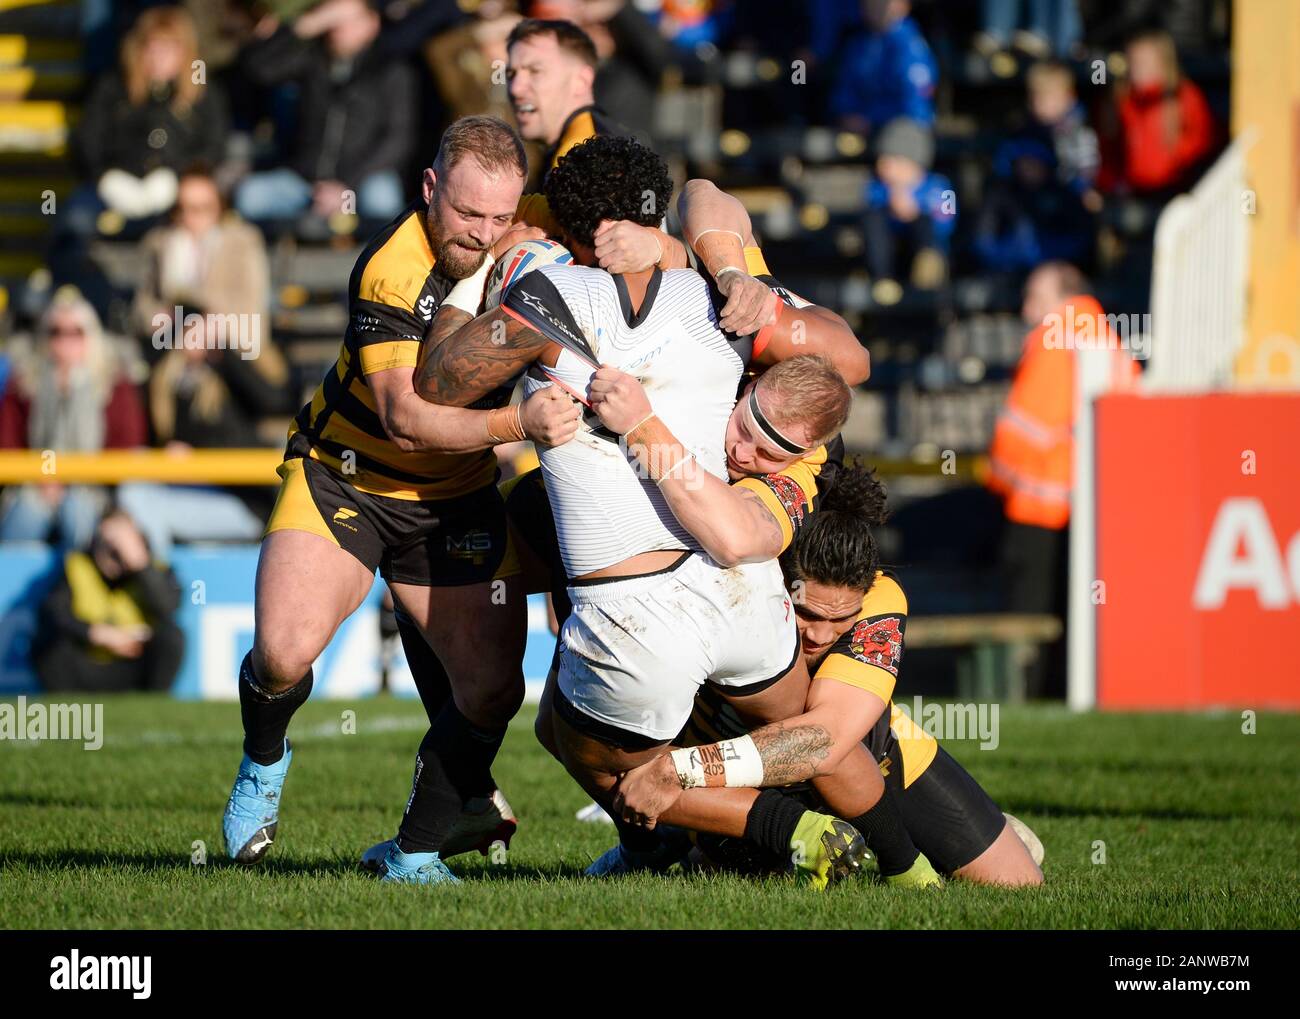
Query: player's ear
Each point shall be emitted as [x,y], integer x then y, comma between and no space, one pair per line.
[428,184]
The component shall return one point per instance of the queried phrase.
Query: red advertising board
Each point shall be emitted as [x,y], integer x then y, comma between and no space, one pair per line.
[1198,551]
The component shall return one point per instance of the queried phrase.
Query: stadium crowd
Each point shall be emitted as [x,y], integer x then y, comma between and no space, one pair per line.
[912,165]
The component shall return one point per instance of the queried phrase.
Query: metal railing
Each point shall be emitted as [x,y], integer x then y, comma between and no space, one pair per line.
[1198,285]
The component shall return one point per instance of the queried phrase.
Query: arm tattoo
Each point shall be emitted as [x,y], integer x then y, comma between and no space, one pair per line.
[790,754]
[762,521]
[462,360]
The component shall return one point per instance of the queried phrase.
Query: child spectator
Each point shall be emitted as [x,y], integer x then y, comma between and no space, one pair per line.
[65,394]
[143,125]
[1029,216]
[1166,132]
[887,72]
[107,625]
[910,211]
[1058,118]
[356,119]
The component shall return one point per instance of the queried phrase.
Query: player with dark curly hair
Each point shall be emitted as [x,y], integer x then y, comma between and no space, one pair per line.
[607,179]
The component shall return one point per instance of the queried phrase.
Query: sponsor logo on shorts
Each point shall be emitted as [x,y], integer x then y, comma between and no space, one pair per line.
[791,497]
[342,515]
[879,642]
[472,546]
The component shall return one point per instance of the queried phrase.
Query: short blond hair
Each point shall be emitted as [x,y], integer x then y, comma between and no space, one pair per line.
[494,143]
[806,390]
[1049,74]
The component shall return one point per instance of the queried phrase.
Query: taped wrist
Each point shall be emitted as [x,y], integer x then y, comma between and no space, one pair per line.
[506,424]
[718,250]
[730,762]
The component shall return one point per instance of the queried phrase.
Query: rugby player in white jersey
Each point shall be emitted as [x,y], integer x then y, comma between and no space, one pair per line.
[654,618]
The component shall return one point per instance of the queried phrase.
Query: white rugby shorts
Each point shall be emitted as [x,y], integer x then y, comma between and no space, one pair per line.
[635,651]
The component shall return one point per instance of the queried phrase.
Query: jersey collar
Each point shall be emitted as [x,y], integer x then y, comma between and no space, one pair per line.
[625,300]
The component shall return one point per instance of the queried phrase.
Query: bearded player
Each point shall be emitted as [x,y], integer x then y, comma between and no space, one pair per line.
[374,477]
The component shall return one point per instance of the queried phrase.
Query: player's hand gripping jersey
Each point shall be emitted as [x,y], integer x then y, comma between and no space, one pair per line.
[604,513]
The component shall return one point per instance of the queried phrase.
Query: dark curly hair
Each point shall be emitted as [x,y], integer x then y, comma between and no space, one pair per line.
[836,545]
[607,178]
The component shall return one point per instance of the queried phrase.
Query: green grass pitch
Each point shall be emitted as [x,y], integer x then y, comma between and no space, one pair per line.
[1198,821]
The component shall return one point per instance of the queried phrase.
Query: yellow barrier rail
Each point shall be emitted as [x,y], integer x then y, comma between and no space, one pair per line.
[257,467]
[195,467]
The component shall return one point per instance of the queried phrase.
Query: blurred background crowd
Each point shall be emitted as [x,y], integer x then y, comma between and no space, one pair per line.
[939,172]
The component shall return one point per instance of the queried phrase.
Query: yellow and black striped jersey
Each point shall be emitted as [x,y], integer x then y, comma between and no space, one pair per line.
[867,656]
[791,496]
[392,296]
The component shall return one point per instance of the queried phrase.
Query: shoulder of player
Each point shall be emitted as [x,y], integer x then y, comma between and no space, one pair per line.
[396,265]
[886,597]
[688,279]
[583,123]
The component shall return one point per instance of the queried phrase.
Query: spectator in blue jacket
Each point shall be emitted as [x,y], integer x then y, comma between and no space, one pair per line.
[886,72]
[910,211]
[1029,215]
[1058,119]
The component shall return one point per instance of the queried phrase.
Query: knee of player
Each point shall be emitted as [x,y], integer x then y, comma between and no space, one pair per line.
[545,733]
[493,707]
[282,664]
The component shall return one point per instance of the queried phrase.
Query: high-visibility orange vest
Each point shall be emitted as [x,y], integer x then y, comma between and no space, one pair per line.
[1031,459]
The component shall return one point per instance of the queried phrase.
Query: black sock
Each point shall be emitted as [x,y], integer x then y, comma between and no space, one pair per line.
[637,838]
[431,680]
[886,835]
[266,715]
[772,821]
[454,764]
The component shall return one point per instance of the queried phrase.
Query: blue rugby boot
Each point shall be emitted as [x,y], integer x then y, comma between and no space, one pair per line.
[373,858]
[389,863]
[253,810]
[673,848]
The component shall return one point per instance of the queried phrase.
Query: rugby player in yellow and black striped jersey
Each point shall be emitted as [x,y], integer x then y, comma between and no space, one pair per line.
[376,478]
[551,76]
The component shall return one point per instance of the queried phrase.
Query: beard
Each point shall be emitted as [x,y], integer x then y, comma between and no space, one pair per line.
[459,256]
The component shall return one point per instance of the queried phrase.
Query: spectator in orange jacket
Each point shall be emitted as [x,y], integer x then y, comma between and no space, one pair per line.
[1032,455]
[1166,132]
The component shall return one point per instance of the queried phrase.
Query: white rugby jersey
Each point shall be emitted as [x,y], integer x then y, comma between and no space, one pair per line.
[604,512]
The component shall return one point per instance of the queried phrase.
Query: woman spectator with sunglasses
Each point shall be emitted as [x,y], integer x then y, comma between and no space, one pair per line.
[67,393]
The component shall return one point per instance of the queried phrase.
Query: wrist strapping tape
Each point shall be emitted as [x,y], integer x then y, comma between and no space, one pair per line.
[731,762]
